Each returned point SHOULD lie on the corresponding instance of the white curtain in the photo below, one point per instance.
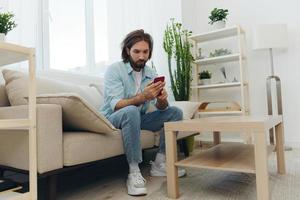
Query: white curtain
(123, 17)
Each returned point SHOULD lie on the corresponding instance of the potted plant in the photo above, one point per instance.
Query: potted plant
(218, 17)
(177, 47)
(6, 24)
(205, 77)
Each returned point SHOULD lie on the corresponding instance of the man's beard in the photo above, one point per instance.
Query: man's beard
(138, 65)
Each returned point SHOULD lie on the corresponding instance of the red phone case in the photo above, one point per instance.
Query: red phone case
(159, 78)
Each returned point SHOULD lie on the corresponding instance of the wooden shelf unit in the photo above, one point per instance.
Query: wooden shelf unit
(9, 54)
(220, 85)
(217, 34)
(241, 85)
(219, 59)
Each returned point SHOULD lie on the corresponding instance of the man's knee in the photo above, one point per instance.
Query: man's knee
(131, 111)
(176, 113)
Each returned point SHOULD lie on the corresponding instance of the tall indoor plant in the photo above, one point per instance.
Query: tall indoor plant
(177, 47)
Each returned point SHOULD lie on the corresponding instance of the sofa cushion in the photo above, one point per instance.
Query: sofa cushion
(77, 113)
(16, 84)
(83, 147)
(189, 108)
(3, 97)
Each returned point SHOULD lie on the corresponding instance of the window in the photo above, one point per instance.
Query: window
(77, 38)
(100, 24)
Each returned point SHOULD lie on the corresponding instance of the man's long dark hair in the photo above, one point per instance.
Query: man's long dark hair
(131, 39)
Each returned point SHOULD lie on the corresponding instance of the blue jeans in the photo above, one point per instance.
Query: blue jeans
(130, 121)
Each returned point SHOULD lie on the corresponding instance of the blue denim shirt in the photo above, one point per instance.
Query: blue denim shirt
(119, 83)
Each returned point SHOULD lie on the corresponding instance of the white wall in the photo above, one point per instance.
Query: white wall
(249, 13)
(25, 17)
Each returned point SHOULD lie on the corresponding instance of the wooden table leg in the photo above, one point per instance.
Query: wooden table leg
(261, 165)
(247, 137)
(172, 173)
(279, 133)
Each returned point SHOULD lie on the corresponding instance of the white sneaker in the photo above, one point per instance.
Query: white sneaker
(160, 170)
(136, 184)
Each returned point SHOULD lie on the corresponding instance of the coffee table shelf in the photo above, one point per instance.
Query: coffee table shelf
(236, 157)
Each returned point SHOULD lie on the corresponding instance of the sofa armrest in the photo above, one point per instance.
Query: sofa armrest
(14, 143)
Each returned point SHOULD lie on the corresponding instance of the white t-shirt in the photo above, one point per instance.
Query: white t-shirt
(138, 80)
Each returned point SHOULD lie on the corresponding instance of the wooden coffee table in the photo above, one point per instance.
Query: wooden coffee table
(239, 157)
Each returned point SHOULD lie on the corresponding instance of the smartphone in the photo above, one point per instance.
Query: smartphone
(157, 79)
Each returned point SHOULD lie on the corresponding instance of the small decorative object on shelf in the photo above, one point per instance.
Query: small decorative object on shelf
(219, 106)
(218, 18)
(220, 52)
(222, 69)
(6, 24)
(199, 56)
(205, 77)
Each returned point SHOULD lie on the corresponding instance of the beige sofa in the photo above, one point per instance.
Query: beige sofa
(57, 146)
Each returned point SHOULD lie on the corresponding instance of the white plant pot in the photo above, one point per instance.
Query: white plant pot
(2, 37)
(219, 24)
(205, 81)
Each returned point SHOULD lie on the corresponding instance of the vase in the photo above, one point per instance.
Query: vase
(190, 143)
(219, 24)
(2, 37)
(205, 81)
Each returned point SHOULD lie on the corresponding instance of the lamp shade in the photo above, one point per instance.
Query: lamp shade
(266, 36)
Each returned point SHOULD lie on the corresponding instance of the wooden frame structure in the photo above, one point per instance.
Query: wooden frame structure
(9, 54)
(239, 157)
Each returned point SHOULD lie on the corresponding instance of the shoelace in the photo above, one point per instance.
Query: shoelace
(138, 179)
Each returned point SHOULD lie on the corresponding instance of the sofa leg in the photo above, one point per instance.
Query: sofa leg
(51, 187)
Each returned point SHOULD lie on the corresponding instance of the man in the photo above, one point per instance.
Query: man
(129, 91)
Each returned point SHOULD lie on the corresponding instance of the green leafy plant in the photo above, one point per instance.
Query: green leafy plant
(218, 14)
(6, 22)
(205, 74)
(177, 47)
(219, 52)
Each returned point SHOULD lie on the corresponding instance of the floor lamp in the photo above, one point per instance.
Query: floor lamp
(271, 36)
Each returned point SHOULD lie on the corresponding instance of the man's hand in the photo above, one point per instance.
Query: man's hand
(163, 96)
(152, 90)
(162, 100)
